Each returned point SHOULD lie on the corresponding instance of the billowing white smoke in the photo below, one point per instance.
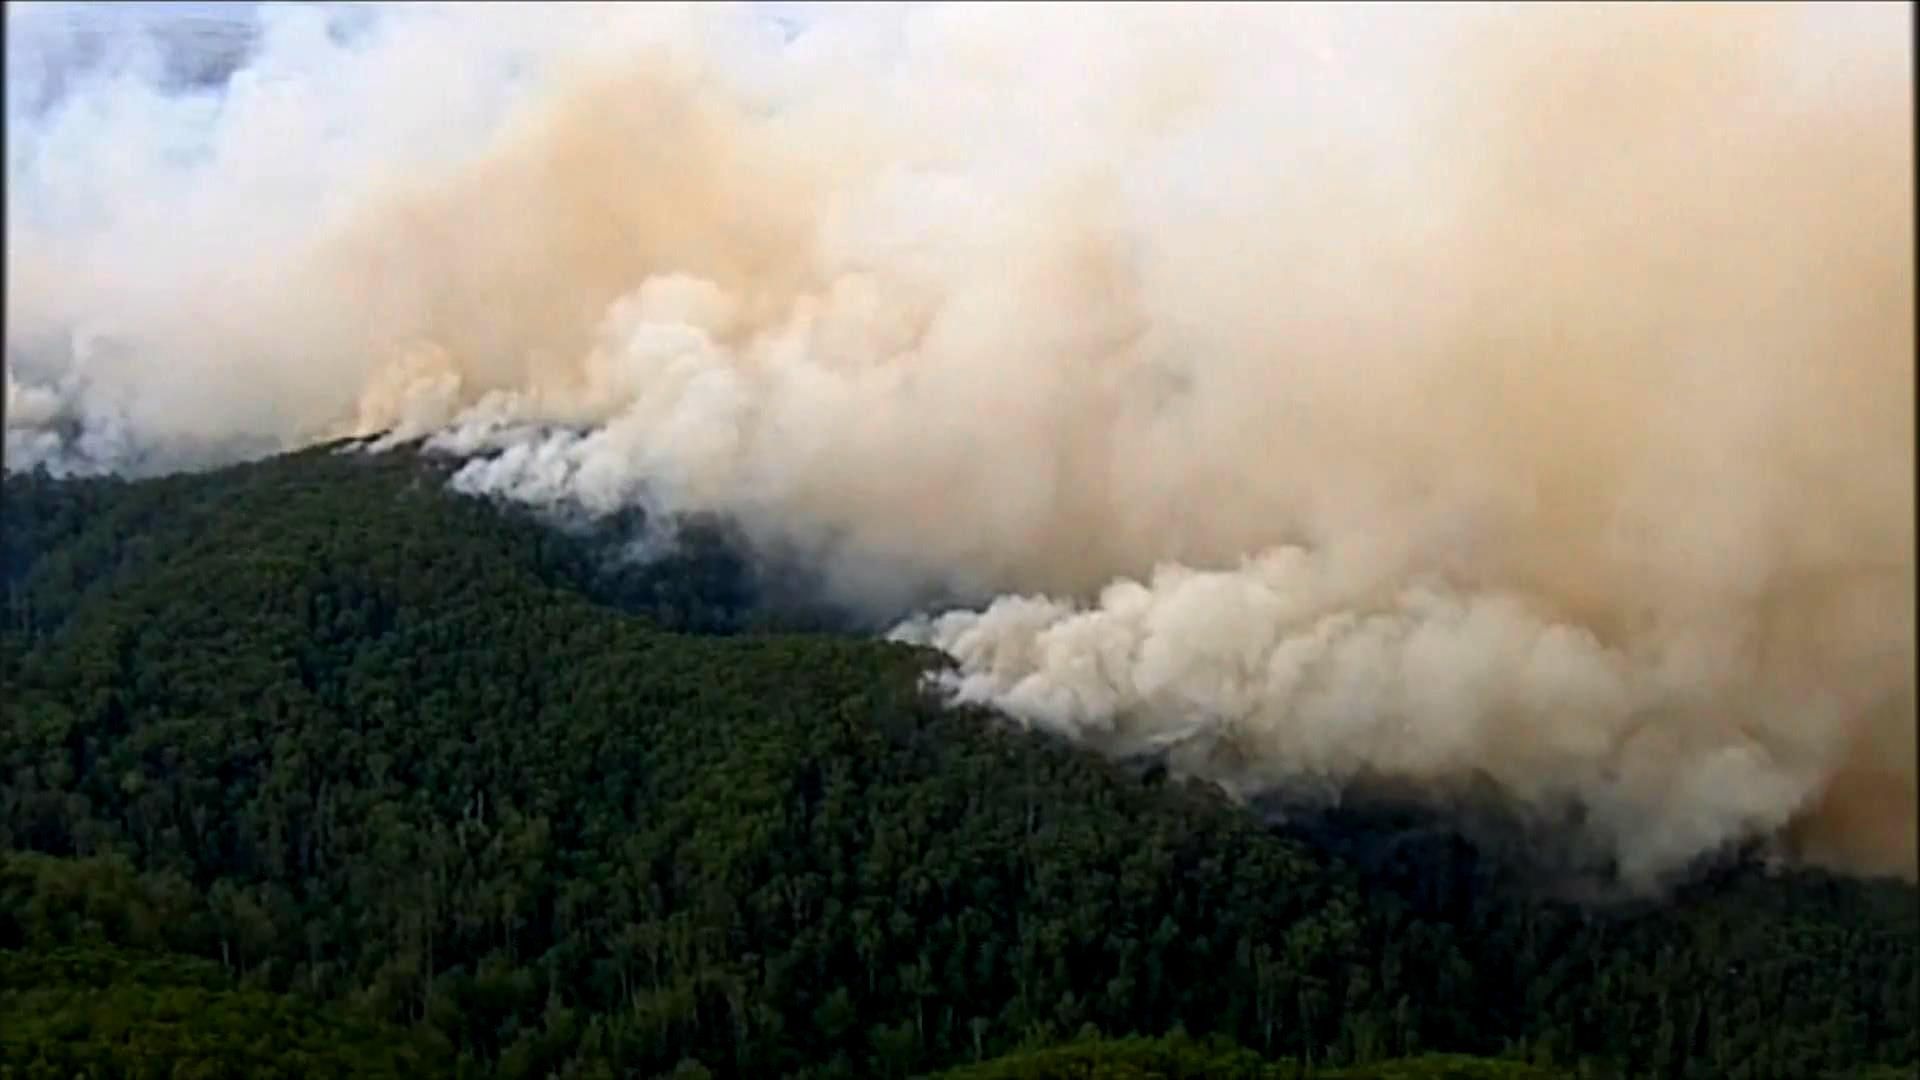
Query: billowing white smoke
(1521, 391)
(1290, 674)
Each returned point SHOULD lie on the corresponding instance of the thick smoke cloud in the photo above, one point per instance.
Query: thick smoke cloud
(1423, 391)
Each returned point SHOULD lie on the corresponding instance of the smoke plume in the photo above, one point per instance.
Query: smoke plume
(1433, 392)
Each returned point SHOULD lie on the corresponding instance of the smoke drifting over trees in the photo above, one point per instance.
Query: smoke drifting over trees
(1431, 392)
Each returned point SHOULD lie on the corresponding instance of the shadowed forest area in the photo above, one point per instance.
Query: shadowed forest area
(313, 768)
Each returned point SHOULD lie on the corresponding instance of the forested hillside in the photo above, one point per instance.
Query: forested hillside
(315, 737)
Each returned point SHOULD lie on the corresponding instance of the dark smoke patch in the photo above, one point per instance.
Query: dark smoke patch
(1428, 845)
(1440, 846)
(688, 572)
(700, 573)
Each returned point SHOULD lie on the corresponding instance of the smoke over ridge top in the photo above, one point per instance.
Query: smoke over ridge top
(1394, 388)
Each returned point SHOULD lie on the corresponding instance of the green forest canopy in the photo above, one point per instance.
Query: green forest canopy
(315, 768)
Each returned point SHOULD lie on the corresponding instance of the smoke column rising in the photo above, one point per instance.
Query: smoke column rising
(1431, 392)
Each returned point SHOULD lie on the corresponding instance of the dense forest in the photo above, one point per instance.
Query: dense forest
(314, 768)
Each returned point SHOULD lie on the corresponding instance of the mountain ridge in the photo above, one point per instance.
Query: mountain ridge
(366, 738)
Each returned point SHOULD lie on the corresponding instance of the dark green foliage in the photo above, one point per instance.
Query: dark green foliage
(1172, 1058)
(1446, 1067)
(104, 1012)
(1181, 1058)
(346, 736)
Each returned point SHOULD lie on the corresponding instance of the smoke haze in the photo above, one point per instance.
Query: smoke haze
(1321, 392)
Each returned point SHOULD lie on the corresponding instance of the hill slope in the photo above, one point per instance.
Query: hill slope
(346, 735)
